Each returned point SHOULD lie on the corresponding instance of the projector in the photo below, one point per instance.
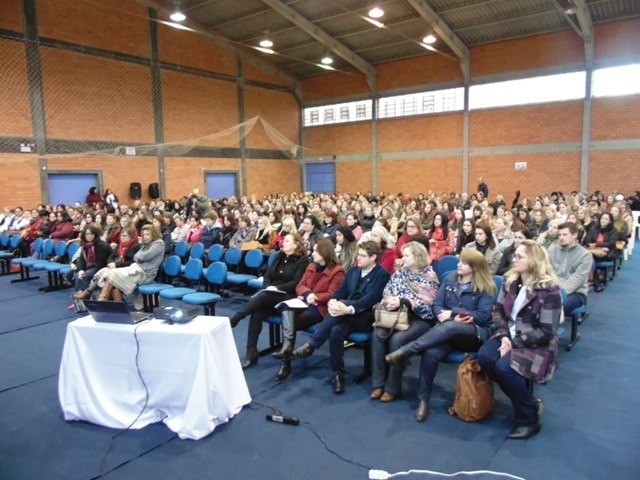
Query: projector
(175, 314)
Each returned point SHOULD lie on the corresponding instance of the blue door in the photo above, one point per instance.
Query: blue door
(220, 184)
(69, 188)
(320, 177)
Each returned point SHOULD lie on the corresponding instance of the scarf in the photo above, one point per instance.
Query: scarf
(89, 254)
(123, 247)
(438, 234)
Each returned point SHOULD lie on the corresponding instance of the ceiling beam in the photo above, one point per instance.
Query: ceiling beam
(325, 39)
(445, 33)
(230, 46)
(586, 27)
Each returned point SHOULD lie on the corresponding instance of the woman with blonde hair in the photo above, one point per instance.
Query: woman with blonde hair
(413, 286)
(463, 311)
(524, 346)
(265, 235)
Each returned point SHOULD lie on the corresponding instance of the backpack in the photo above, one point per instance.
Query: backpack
(474, 392)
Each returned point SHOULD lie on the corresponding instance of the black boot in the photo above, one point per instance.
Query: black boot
(251, 358)
(234, 320)
(289, 333)
(285, 370)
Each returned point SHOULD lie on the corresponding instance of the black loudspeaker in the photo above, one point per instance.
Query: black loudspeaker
(154, 191)
(135, 190)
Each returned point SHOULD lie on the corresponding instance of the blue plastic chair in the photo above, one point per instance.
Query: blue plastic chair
(232, 258)
(181, 249)
(253, 261)
(258, 283)
(216, 277)
(192, 274)
(577, 316)
(444, 265)
(215, 253)
(25, 263)
(196, 251)
(150, 291)
(54, 279)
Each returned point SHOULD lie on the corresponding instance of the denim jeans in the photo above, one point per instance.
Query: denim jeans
(336, 329)
(384, 341)
(441, 333)
(574, 300)
(511, 382)
(82, 284)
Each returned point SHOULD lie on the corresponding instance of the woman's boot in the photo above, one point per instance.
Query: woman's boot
(116, 295)
(105, 294)
(251, 358)
(289, 334)
(285, 369)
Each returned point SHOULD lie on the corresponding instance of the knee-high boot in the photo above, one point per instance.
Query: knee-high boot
(116, 295)
(289, 334)
(105, 294)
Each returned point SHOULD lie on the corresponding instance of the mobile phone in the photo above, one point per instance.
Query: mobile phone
(464, 314)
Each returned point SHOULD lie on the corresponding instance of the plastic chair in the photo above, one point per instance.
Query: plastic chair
(232, 258)
(215, 253)
(26, 263)
(258, 283)
(181, 249)
(216, 277)
(150, 291)
(253, 261)
(577, 316)
(444, 265)
(196, 251)
(9, 252)
(192, 274)
(54, 279)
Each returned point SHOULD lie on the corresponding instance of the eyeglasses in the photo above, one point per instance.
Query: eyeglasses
(517, 256)
(412, 226)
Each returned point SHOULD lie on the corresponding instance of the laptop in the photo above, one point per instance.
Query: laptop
(114, 312)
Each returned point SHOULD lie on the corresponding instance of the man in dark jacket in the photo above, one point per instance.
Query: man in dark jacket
(350, 310)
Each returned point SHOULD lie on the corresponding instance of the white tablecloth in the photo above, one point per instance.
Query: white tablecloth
(192, 373)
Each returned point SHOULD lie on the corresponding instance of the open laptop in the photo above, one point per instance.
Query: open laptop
(114, 312)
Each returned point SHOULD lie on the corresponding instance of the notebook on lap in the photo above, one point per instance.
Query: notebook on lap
(114, 312)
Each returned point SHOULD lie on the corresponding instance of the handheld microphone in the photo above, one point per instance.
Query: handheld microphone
(283, 419)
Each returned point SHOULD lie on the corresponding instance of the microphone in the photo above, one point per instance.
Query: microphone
(283, 419)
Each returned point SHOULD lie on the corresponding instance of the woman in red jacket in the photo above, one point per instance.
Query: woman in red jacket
(62, 228)
(320, 281)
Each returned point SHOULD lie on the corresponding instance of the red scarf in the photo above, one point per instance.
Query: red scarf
(89, 254)
(123, 247)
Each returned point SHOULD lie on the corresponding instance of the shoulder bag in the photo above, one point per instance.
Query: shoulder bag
(393, 320)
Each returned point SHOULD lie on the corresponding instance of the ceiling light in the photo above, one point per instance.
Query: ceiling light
(374, 22)
(376, 12)
(429, 39)
(428, 47)
(265, 50)
(327, 60)
(326, 67)
(266, 43)
(178, 16)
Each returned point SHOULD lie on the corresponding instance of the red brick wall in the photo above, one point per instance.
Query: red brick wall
(615, 118)
(529, 124)
(96, 98)
(615, 171)
(278, 109)
(430, 68)
(117, 25)
(272, 176)
(19, 175)
(617, 39)
(541, 51)
(14, 94)
(192, 50)
(353, 177)
(11, 17)
(420, 133)
(338, 139)
(546, 172)
(333, 85)
(196, 106)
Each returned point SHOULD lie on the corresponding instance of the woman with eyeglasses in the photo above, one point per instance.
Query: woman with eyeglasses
(412, 230)
(524, 346)
(463, 311)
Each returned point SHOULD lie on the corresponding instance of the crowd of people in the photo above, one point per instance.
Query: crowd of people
(343, 254)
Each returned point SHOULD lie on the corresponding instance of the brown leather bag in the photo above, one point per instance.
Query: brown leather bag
(474, 392)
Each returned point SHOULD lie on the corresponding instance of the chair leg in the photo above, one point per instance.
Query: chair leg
(575, 335)
(366, 372)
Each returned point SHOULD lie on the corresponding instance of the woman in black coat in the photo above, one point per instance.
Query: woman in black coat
(280, 282)
(95, 254)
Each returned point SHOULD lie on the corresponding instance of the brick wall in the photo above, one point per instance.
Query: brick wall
(353, 177)
(19, 174)
(273, 176)
(413, 176)
(14, 94)
(420, 133)
(11, 17)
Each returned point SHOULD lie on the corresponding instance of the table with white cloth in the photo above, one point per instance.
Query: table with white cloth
(192, 374)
